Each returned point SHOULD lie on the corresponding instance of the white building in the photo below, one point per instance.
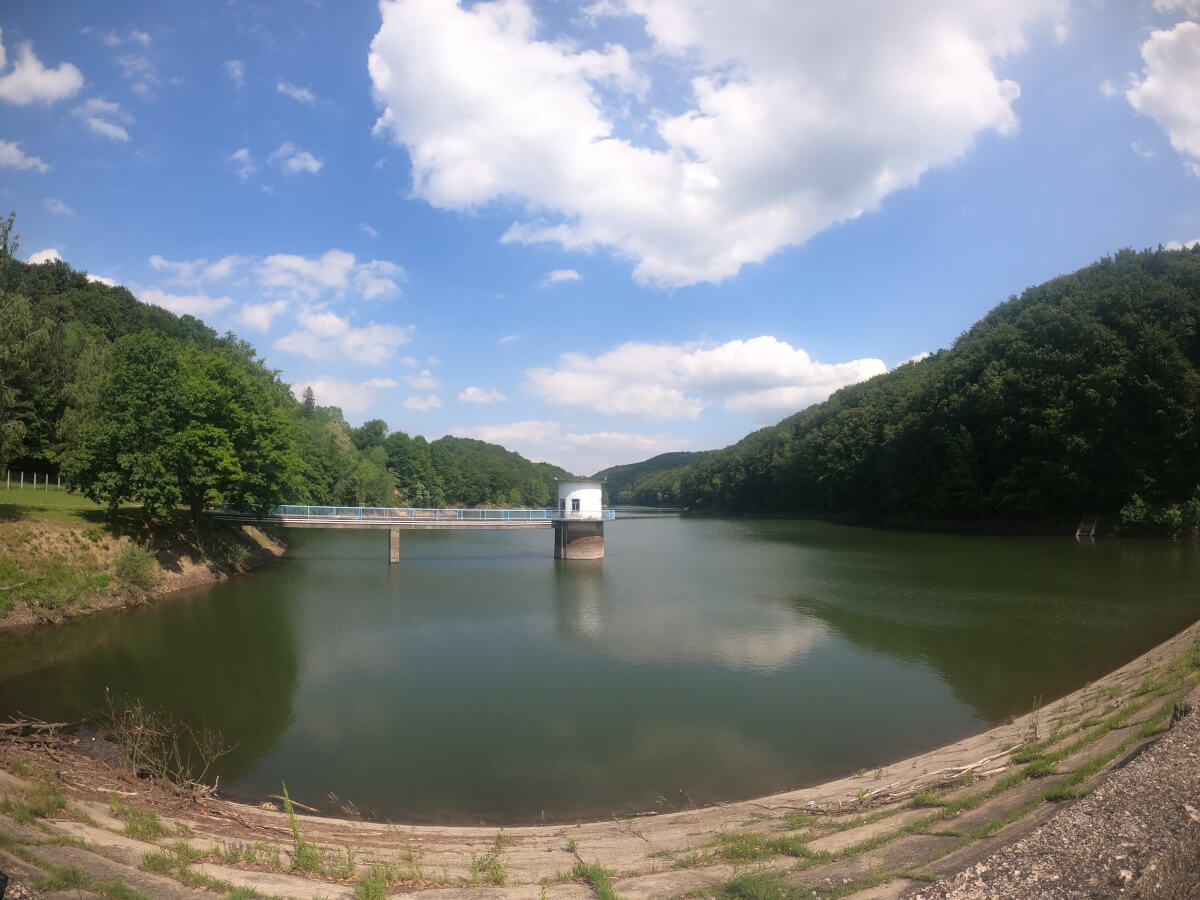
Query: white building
(579, 500)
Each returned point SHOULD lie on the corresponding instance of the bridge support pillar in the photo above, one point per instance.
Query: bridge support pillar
(393, 546)
(579, 539)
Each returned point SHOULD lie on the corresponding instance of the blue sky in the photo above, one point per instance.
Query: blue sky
(597, 231)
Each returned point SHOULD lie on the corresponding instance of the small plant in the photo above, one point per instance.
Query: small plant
(598, 877)
(862, 797)
(1039, 768)
(572, 845)
(62, 878)
(689, 860)
(925, 799)
(305, 856)
(141, 824)
(373, 887)
(19, 767)
(135, 566)
(491, 867)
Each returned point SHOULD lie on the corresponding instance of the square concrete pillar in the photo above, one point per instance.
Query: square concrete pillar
(393, 545)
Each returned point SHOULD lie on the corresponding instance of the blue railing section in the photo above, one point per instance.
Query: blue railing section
(390, 512)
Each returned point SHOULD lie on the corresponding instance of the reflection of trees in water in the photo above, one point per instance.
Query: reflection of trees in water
(229, 663)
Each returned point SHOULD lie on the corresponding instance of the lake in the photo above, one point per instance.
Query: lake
(482, 681)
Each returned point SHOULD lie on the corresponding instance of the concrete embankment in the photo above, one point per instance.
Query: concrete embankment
(883, 833)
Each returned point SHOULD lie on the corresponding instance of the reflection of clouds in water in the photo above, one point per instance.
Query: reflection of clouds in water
(670, 632)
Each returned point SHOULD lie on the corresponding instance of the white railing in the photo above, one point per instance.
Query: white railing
(417, 513)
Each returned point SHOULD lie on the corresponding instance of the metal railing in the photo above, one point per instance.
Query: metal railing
(417, 513)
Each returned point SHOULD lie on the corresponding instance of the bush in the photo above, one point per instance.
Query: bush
(136, 567)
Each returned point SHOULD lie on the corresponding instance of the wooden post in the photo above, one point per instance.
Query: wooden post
(22, 479)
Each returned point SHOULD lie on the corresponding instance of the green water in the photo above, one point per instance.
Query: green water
(483, 681)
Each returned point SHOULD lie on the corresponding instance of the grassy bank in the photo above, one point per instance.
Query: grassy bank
(60, 557)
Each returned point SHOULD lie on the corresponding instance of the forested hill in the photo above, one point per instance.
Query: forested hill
(652, 482)
(1079, 396)
(125, 400)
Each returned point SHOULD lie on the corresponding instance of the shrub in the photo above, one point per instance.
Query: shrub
(135, 566)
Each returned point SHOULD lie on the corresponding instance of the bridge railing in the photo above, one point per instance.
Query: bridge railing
(393, 512)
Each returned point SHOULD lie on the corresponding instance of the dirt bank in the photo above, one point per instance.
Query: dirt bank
(58, 569)
(884, 833)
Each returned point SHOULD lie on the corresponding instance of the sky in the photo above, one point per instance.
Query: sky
(597, 231)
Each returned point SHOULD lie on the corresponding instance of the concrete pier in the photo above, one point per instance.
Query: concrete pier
(579, 539)
(394, 546)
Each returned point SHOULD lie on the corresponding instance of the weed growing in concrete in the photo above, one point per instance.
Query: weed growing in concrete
(490, 867)
(373, 887)
(598, 877)
(116, 891)
(62, 878)
(572, 846)
(305, 856)
(139, 823)
(925, 799)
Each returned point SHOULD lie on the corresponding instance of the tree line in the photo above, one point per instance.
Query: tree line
(132, 403)
(1080, 396)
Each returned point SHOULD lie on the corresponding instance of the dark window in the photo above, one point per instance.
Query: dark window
(575, 505)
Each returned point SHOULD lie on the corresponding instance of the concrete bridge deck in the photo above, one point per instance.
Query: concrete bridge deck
(578, 535)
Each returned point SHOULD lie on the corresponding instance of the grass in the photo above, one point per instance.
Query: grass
(373, 887)
(139, 823)
(116, 890)
(62, 878)
(749, 846)
(925, 799)
(305, 856)
(490, 867)
(136, 567)
(52, 504)
(41, 801)
(256, 854)
(598, 877)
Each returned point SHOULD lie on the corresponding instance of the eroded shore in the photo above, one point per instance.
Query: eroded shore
(882, 833)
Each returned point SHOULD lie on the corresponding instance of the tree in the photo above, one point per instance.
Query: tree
(309, 404)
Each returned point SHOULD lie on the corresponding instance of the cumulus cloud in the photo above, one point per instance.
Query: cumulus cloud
(300, 94)
(235, 70)
(335, 270)
(1182, 245)
(1189, 7)
(105, 118)
(198, 305)
(292, 160)
(31, 82)
(194, 270)
(47, 255)
(579, 451)
(422, 381)
(795, 116)
(479, 395)
(666, 381)
(352, 397)
(560, 276)
(367, 230)
(1169, 91)
(12, 156)
(243, 163)
(324, 334)
(423, 404)
(102, 279)
(259, 316)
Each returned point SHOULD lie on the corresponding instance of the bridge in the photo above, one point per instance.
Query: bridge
(578, 533)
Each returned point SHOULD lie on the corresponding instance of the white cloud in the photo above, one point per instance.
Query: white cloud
(479, 395)
(112, 39)
(665, 381)
(335, 270)
(423, 381)
(924, 354)
(1108, 89)
(31, 82)
(14, 157)
(243, 163)
(292, 160)
(423, 404)
(1189, 7)
(301, 94)
(195, 270)
(141, 72)
(102, 279)
(58, 208)
(324, 335)
(1169, 92)
(797, 116)
(235, 69)
(104, 118)
(352, 397)
(582, 452)
(184, 304)
(47, 255)
(260, 315)
(560, 276)
(530, 433)
(650, 445)
(367, 230)
(1182, 245)
(508, 339)
(1142, 150)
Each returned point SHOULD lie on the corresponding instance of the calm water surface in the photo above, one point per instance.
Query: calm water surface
(483, 681)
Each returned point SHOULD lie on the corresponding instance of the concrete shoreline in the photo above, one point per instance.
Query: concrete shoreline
(882, 832)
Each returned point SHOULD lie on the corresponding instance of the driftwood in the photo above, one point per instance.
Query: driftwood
(295, 803)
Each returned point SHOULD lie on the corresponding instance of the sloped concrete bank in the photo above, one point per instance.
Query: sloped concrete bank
(885, 833)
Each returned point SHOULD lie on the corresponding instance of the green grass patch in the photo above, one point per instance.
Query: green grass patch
(749, 846)
(1039, 768)
(598, 877)
(116, 890)
(690, 860)
(794, 821)
(925, 800)
(490, 867)
(139, 823)
(62, 878)
(136, 567)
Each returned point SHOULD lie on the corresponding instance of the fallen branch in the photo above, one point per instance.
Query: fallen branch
(295, 803)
